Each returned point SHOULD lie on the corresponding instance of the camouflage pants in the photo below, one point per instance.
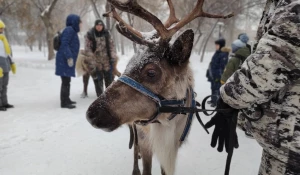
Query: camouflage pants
(271, 166)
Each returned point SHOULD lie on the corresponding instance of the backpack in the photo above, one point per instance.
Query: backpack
(56, 41)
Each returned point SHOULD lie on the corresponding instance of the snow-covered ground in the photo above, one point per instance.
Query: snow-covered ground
(40, 138)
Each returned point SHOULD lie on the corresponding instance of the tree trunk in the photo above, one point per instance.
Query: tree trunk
(131, 22)
(107, 8)
(197, 40)
(95, 10)
(46, 18)
(40, 42)
(117, 40)
(50, 37)
(206, 42)
(30, 47)
(122, 45)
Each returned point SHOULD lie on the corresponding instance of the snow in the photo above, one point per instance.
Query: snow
(40, 138)
(46, 10)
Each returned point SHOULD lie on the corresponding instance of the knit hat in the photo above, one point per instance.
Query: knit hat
(99, 22)
(236, 45)
(2, 25)
(244, 38)
(221, 42)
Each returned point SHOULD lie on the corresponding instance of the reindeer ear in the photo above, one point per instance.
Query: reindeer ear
(182, 48)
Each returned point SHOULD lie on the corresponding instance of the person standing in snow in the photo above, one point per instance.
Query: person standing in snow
(216, 68)
(267, 90)
(240, 54)
(6, 64)
(244, 38)
(98, 42)
(66, 58)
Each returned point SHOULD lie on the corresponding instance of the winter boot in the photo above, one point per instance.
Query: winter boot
(73, 102)
(84, 95)
(65, 95)
(2, 108)
(8, 106)
(68, 106)
(85, 78)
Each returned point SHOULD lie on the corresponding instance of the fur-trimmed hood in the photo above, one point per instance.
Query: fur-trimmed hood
(226, 49)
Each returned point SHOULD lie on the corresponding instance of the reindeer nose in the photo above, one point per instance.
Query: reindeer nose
(100, 118)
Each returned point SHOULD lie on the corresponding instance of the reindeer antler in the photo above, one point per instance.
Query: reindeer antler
(172, 17)
(126, 29)
(196, 13)
(163, 31)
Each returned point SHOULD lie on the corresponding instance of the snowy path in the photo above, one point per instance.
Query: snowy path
(39, 138)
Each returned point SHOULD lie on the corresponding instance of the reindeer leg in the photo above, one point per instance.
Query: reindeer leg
(162, 171)
(85, 78)
(136, 170)
(147, 161)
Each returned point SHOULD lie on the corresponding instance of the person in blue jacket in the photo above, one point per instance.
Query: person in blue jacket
(216, 68)
(66, 58)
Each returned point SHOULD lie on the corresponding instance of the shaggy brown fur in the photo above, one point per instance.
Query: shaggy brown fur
(86, 64)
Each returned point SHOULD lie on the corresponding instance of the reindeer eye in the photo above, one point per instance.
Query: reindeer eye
(151, 73)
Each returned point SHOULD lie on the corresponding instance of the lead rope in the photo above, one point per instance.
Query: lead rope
(232, 130)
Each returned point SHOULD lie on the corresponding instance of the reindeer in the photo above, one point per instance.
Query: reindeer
(157, 75)
(86, 65)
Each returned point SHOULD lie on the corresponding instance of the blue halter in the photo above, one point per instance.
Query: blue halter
(161, 102)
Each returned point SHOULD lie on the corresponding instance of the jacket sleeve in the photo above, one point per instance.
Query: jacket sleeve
(66, 38)
(88, 44)
(112, 47)
(10, 60)
(224, 62)
(6, 44)
(228, 71)
(216, 67)
(274, 66)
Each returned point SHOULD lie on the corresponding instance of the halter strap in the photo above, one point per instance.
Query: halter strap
(137, 86)
(163, 105)
(189, 119)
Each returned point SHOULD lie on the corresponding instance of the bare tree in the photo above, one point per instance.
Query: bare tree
(131, 23)
(5, 5)
(46, 18)
(94, 7)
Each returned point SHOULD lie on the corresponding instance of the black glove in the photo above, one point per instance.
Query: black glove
(224, 122)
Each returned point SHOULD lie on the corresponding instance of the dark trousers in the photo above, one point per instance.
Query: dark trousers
(3, 89)
(108, 79)
(65, 91)
(215, 89)
(85, 79)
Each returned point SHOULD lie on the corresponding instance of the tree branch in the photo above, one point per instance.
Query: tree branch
(52, 5)
(2, 10)
(37, 6)
(95, 10)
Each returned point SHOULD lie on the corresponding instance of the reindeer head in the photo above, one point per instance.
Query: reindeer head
(161, 67)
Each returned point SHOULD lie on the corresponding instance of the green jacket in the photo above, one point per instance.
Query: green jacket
(234, 63)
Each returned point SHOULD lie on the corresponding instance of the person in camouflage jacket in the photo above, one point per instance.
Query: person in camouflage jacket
(270, 78)
(235, 63)
(98, 41)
